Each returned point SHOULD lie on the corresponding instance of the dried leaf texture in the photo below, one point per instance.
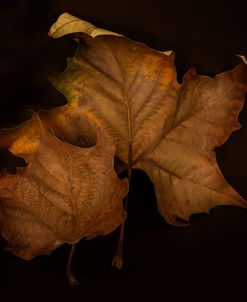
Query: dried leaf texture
(183, 166)
(166, 129)
(123, 95)
(64, 194)
(127, 89)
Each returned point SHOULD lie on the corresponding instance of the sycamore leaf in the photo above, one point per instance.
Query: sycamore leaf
(169, 130)
(65, 193)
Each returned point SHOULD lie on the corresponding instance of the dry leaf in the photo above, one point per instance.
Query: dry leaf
(130, 92)
(64, 194)
(166, 129)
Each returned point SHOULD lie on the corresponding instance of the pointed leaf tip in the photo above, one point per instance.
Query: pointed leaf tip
(243, 58)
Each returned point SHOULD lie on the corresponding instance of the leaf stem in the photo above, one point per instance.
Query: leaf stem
(70, 275)
(117, 261)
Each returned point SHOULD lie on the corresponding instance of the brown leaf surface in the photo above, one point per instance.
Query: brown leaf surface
(64, 194)
(130, 92)
(166, 129)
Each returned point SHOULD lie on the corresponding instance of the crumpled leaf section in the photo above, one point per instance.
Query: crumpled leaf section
(65, 193)
(66, 23)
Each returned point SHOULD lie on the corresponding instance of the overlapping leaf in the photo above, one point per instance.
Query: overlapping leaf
(130, 92)
(64, 194)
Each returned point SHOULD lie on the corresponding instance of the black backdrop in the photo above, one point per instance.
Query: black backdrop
(206, 261)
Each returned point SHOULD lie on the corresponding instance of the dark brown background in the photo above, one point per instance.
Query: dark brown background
(204, 262)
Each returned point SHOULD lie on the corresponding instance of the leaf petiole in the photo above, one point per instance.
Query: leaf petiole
(70, 275)
(117, 261)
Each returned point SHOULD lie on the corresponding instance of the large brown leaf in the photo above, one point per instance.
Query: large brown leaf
(65, 193)
(166, 129)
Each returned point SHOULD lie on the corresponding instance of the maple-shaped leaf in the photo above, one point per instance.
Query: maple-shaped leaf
(65, 193)
(169, 130)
